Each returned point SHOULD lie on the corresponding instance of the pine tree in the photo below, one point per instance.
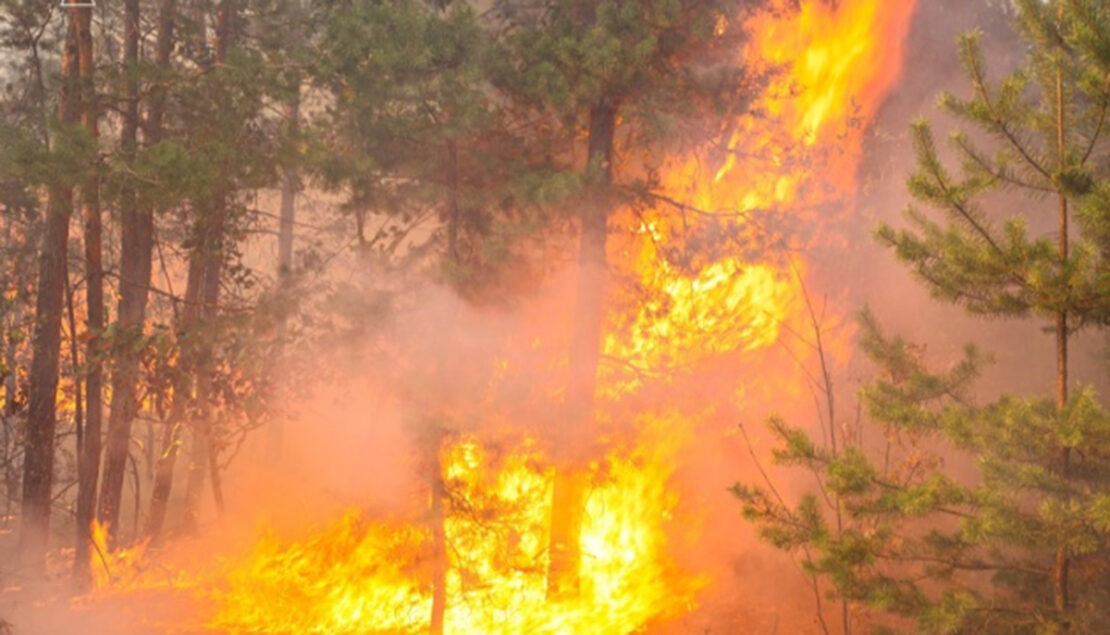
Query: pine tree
(610, 70)
(1021, 547)
(137, 247)
(38, 462)
(132, 291)
(24, 134)
(88, 437)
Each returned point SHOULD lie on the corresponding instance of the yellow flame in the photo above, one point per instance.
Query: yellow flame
(118, 569)
(359, 576)
(798, 149)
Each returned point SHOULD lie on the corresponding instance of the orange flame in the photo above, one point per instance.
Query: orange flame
(801, 145)
(113, 569)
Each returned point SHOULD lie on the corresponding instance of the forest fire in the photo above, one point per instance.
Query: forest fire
(479, 558)
(461, 316)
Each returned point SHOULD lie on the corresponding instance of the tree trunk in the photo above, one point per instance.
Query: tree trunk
(453, 201)
(75, 357)
(1062, 564)
(88, 463)
(182, 395)
(200, 455)
(167, 457)
(567, 495)
(38, 461)
(135, 249)
(439, 545)
(203, 450)
(11, 443)
(289, 188)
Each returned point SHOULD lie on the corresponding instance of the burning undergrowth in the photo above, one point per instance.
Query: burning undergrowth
(494, 514)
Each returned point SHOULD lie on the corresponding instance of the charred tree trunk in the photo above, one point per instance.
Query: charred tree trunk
(134, 280)
(38, 460)
(567, 496)
(88, 463)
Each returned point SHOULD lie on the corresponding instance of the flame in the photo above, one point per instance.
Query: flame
(113, 569)
(357, 573)
(716, 278)
(801, 145)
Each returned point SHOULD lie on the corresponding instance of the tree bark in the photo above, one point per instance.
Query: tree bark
(200, 455)
(203, 450)
(289, 186)
(13, 319)
(167, 457)
(439, 543)
(134, 281)
(453, 218)
(182, 395)
(38, 461)
(1062, 564)
(567, 494)
(88, 463)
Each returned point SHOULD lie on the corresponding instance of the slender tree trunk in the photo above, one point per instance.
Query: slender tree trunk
(12, 438)
(134, 281)
(38, 460)
(439, 544)
(75, 357)
(182, 396)
(567, 496)
(453, 201)
(182, 387)
(1062, 564)
(88, 463)
(289, 186)
(200, 456)
(13, 319)
(203, 451)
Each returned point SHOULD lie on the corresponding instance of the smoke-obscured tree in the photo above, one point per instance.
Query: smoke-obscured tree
(416, 134)
(228, 147)
(24, 132)
(1022, 546)
(614, 75)
(434, 171)
(64, 161)
(186, 140)
(89, 434)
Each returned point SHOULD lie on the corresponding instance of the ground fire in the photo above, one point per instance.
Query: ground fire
(540, 269)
